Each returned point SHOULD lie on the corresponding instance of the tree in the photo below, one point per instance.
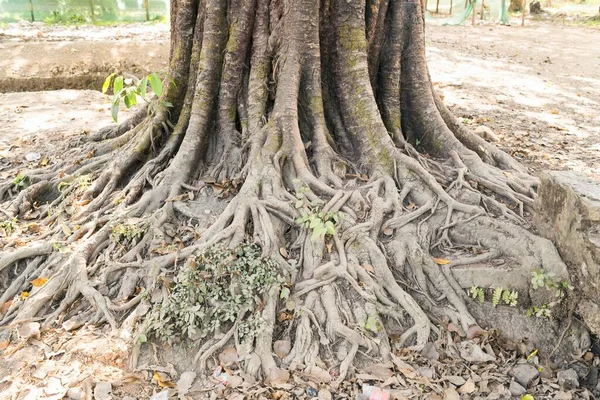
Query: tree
(321, 119)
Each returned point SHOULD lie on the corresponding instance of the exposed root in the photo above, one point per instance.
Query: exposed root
(353, 219)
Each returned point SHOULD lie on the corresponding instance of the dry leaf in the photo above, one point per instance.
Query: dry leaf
(441, 261)
(5, 306)
(368, 268)
(33, 228)
(451, 394)
(162, 380)
(278, 375)
(324, 394)
(4, 344)
(475, 331)
(39, 282)
(29, 329)
(554, 111)
(317, 374)
(24, 295)
(467, 388)
(283, 252)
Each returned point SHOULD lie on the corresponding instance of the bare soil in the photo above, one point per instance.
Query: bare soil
(537, 88)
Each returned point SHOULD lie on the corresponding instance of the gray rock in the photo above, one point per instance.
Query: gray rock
(516, 389)
(568, 213)
(568, 379)
(103, 391)
(524, 374)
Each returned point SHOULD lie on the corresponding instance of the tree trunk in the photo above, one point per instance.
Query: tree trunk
(316, 124)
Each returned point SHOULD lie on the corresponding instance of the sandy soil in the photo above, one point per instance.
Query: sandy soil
(537, 88)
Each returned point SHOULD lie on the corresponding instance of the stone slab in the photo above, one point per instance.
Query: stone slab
(567, 211)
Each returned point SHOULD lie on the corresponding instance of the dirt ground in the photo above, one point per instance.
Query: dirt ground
(537, 88)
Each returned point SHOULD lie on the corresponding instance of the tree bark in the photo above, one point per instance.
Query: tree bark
(318, 124)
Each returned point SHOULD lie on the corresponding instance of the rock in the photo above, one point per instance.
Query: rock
(516, 389)
(103, 391)
(75, 393)
(567, 211)
(524, 374)
(568, 379)
(486, 133)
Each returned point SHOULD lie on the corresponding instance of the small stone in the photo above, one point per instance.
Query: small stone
(568, 379)
(311, 392)
(75, 393)
(516, 389)
(524, 374)
(103, 391)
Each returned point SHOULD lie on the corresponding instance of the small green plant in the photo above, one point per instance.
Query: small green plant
(83, 183)
(312, 217)
(510, 297)
(542, 311)
(477, 293)
(129, 231)
(126, 89)
(21, 181)
(9, 226)
(212, 291)
(541, 278)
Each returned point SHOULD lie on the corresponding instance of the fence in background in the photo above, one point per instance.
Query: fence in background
(78, 11)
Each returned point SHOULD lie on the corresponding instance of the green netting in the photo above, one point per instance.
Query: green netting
(81, 10)
(456, 12)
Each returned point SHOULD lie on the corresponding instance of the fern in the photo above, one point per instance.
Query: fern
(477, 293)
(497, 296)
(510, 298)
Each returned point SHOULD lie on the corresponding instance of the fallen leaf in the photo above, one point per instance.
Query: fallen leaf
(24, 295)
(554, 111)
(451, 394)
(368, 268)
(5, 306)
(317, 374)
(39, 282)
(162, 380)
(441, 261)
(29, 329)
(467, 388)
(324, 394)
(475, 331)
(283, 252)
(278, 375)
(4, 344)
(471, 352)
(430, 352)
(185, 382)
